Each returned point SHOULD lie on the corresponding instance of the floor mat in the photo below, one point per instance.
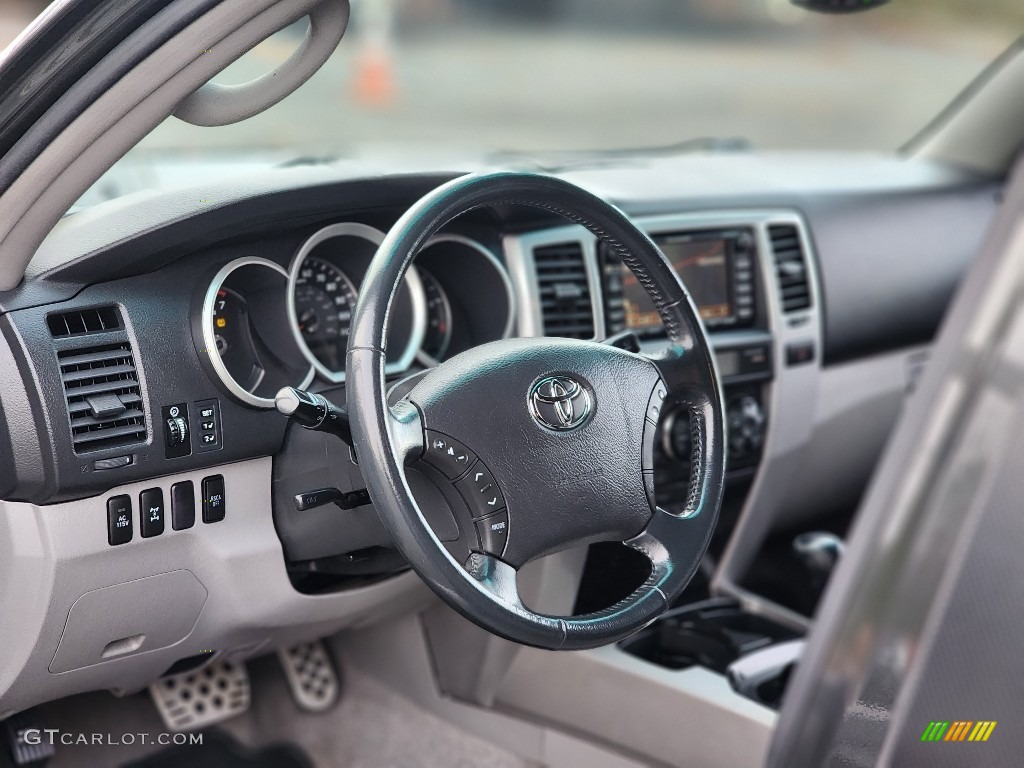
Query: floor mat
(219, 750)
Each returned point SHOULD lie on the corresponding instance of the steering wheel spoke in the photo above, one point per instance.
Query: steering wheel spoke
(683, 368)
(406, 431)
(496, 577)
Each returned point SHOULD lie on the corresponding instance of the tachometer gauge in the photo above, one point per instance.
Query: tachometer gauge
(246, 335)
(439, 318)
(324, 301)
(233, 334)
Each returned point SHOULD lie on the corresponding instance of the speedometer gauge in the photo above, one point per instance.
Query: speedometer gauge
(324, 301)
(439, 318)
(324, 279)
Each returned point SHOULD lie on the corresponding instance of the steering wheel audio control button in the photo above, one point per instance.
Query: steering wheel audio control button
(448, 456)
(656, 401)
(481, 492)
(493, 533)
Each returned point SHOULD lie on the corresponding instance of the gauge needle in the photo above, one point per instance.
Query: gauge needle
(308, 321)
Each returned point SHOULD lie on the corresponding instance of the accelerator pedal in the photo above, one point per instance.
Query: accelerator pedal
(313, 680)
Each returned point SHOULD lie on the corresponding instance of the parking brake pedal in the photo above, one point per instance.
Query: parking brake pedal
(21, 731)
(311, 676)
(194, 700)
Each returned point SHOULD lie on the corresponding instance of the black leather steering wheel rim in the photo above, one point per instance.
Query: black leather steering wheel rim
(389, 437)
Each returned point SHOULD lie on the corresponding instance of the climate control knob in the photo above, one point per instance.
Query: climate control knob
(745, 420)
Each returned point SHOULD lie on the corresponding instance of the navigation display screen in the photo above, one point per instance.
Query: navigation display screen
(703, 265)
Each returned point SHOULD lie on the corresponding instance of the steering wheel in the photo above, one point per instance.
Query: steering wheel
(549, 440)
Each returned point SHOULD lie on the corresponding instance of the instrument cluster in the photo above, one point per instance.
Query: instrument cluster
(265, 326)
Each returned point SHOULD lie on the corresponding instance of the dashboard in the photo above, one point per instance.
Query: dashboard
(142, 461)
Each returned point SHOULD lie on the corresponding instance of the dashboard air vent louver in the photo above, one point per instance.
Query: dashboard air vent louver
(790, 267)
(101, 386)
(564, 290)
(82, 321)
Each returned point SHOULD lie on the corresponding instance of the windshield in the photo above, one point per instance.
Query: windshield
(433, 79)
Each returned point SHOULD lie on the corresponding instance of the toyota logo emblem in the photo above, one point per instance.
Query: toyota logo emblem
(559, 403)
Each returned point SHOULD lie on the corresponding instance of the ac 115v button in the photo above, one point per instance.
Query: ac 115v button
(119, 520)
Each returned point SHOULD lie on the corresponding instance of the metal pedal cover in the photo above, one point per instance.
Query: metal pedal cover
(194, 700)
(311, 676)
(25, 751)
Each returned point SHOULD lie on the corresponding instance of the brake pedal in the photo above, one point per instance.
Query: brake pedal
(195, 700)
(311, 676)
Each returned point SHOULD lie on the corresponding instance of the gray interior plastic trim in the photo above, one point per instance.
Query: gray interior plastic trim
(214, 104)
(983, 129)
(117, 120)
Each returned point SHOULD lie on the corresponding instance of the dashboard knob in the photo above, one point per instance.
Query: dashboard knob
(745, 420)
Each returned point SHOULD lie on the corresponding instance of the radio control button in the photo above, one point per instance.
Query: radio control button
(481, 492)
(493, 533)
(448, 456)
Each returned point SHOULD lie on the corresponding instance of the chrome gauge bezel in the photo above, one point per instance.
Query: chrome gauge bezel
(419, 302)
(422, 357)
(210, 340)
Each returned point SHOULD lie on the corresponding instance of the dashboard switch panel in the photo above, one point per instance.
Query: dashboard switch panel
(183, 505)
(213, 499)
(177, 440)
(119, 520)
(208, 434)
(151, 512)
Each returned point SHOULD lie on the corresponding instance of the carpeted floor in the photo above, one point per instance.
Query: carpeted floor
(370, 727)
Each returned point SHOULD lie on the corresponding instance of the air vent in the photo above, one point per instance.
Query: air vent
(790, 267)
(79, 322)
(104, 400)
(564, 291)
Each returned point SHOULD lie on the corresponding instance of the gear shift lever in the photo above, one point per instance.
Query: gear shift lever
(818, 552)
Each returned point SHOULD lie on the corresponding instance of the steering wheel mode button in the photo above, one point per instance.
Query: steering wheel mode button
(481, 492)
(493, 533)
(448, 456)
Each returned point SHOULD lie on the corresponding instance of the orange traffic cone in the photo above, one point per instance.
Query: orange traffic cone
(374, 84)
